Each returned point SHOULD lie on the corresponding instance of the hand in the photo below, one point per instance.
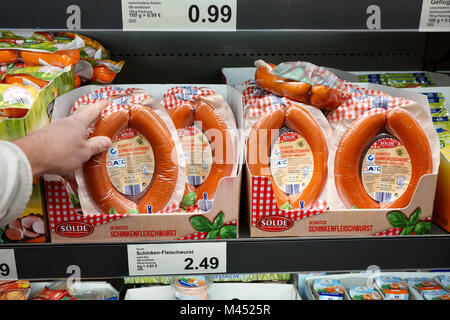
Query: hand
(63, 146)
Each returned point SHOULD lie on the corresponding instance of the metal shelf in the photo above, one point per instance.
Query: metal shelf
(247, 255)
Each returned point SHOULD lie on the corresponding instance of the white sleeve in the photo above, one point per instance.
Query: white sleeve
(16, 182)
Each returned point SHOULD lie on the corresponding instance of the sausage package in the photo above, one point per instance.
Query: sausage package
(144, 169)
(374, 173)
(207, 130)
(91, 210)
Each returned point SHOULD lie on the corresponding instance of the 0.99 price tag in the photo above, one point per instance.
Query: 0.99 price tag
(8, 270)
(177, 258)
(173, 15)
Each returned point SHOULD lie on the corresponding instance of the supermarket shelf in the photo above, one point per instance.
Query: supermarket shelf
(272, 15)
(247, 255)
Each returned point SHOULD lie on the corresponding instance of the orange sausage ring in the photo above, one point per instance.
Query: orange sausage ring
(401, 124)
(320, 96)
(163, 184)
(184, 116)
(258, 150)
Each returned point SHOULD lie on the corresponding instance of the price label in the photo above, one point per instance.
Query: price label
(172, 15)
(435, 15)
(177, 258)
(8, 270)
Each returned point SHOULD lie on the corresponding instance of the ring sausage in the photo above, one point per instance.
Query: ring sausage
(148, 123)
(324, 97)
(145, 121)
(102, 74)
(98, 184)
(303, 123)
(61, 58)
(294, 90)
(258, 150)
(222, 151)
(401, 125)
(183, 116)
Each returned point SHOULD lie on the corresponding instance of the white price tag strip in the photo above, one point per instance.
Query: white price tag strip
(435, 15)
(177, 258)
(172, 15)
(8, 270)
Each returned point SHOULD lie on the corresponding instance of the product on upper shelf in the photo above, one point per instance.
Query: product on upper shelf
(191, 287)
(14, 290)
(206, 127)
(142, 172)
(302, 82)
(398, 80)
(37, 76)
(328, 289)
(98, 66)
(392, 163)
(393, 288)
(364, 293)
(287, 144)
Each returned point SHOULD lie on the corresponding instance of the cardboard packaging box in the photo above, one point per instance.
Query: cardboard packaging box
(36, 117)
(68, 224)
(267, 220)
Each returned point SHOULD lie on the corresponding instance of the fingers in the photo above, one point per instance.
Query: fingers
(98, 144)
(89, 114)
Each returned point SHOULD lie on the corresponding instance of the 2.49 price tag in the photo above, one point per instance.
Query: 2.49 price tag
(8, 270)
(177, 258)
(171, 15)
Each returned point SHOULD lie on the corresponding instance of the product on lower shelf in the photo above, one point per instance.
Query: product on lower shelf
(436, 295)
(393, 288)
(328, 289)
(399, 80)
(14, 290)
(191, 287)
(206, 126)
(364, 293)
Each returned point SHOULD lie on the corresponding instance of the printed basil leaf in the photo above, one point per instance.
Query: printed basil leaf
(423, 227)
(286, 206)
(218, 221)
(354, 206)
(112, 211)
(188, 200)
(407, 231)
(212, 234)
(397, 219)
(414, 218)
(201, 224)
(132, 211)
(228, 232)
(74, 199)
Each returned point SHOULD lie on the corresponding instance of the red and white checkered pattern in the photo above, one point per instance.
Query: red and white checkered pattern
(264, 203)
(394, 231)
(179, 95)
(60, 209)
(361, 101)
(202, 235)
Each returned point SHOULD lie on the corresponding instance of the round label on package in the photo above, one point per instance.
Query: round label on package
(130, 162)
(197, 153)
(291, 162)
(386, 169)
